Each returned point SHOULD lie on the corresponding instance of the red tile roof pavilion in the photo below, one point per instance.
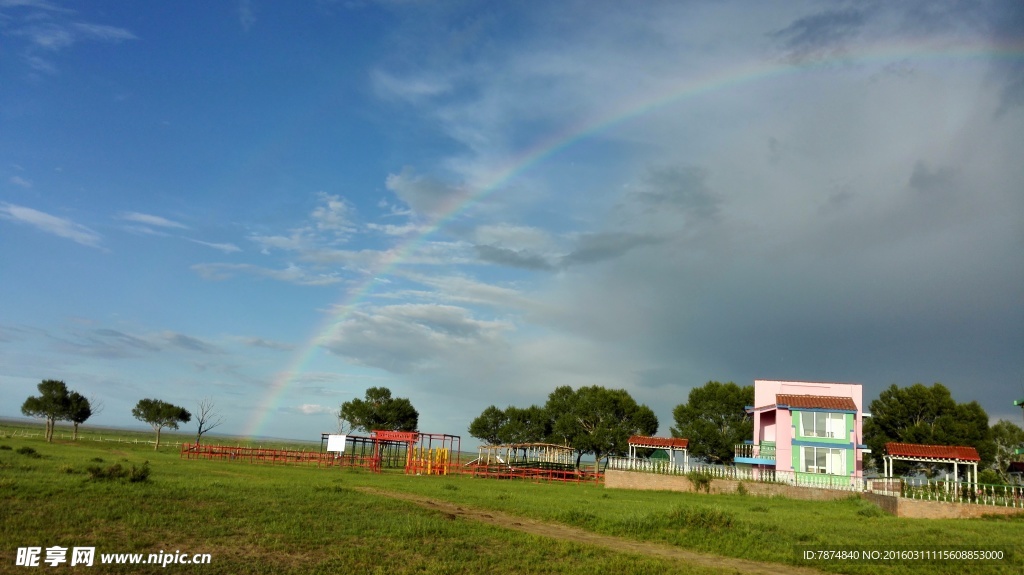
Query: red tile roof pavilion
(658, 442)
(932, 452)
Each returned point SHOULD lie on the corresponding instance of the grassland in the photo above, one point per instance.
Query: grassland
(274, 519)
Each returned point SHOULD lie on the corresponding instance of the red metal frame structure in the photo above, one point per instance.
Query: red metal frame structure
(415, 453)
(254, 454)
(434, 455)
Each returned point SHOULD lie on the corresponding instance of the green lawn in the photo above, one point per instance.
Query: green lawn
(276, 519)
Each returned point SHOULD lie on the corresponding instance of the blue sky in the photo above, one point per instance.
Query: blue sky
(277, 205)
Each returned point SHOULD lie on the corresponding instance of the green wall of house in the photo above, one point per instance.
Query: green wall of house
(838, 442)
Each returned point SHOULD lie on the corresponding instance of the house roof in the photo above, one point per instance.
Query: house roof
(659, 442)
(815, 402)
(959, 453)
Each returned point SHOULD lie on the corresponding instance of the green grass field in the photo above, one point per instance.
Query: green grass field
(277, 519)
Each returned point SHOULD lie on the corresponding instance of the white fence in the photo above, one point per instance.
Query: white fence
(951, 491)
(92, 437)
(909, 488)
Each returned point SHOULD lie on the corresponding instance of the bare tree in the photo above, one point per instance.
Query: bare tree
(208, 417)
(344, 425)
(96, 404)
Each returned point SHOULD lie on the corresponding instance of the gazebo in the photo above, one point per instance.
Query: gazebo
(954, 454)
(669, 444)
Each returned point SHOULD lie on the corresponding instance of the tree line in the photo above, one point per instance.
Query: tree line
(599, 421)
(56, 402)
(714, 418)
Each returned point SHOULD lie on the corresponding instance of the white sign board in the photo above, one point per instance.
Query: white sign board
(336, 443)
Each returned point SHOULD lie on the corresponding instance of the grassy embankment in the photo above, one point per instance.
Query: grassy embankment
(275, 519)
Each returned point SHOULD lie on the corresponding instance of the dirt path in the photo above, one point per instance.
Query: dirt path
(618, 544)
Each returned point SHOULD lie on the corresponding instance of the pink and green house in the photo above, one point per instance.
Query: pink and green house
(803, 430)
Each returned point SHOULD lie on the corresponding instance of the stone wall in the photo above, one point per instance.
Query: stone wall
(939, 510)
(900, 507)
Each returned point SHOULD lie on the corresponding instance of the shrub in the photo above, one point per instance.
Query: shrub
(870, 510)
(701, 517)
(65, 468)
(28, 452)
(741, 489)
(701, 480)
(5, 447)
(118, 471)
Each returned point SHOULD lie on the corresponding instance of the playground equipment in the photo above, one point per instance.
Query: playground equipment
(415, 453)
(537, 461)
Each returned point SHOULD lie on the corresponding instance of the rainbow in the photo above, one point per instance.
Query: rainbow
(574, 133)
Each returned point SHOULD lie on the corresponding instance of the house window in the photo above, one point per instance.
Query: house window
(822, 424)
(823, 460)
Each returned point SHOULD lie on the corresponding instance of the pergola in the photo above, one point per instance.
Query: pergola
(669, 444)
(954, 454)
(527, 453)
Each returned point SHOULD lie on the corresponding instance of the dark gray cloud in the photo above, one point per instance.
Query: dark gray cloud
(514, 258)
(267, 344)
(932, 181)
(190, 343)
(1008, 32)
(678, 188)
(126, 339)
(820, 35)
(602, 246)
(412, 337)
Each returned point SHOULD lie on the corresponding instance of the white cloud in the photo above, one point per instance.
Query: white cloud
(20, 181)
(311, 409)
(47, 29)
(246, 16)
(151, 220)
(51, 224)
(290, 274)
(224, 247)
(334, 215)
(427, 196)
(411, 88)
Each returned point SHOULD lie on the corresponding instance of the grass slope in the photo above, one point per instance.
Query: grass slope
(272, 519)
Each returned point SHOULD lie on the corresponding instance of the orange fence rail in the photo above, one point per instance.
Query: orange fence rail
(532, 473)
(255, 455)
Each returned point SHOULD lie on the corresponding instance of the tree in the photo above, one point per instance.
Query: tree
(207, 417)
(597, 420)
(380, 411)
(487, 426)
(513, 425)
(1008, 438)
(926, 415)
(52, 403)
(160, 414)
(529, 425)
(79, 410)
(714, 419)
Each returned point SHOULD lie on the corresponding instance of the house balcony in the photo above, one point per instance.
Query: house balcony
(756, 454)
